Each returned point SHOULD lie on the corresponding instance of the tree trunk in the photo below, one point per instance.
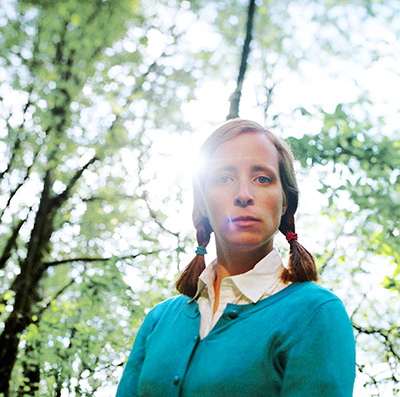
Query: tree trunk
(235, 97)
(31, 371)
(26, 286)
(33, 268)
(9, 341)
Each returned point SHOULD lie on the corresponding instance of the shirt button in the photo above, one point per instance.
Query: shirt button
(195, 339)
(176, 380)
(233, 314)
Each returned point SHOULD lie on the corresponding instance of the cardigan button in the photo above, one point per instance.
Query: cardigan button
(176, 380)
(234, 314)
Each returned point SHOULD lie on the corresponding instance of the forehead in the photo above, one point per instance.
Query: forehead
(247, 148)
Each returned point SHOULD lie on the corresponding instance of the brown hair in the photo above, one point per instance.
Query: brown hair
(301, 266)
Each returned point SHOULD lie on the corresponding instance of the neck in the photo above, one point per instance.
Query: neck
(233, 262)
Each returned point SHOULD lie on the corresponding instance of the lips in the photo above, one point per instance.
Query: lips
(245, 221)
(245, 218)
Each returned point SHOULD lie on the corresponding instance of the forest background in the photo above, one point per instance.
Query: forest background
(104, 105)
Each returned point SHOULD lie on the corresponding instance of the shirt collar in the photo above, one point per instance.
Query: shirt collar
(255, 283)
(206, 278)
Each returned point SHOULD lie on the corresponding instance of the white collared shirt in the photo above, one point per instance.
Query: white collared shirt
(250, 287)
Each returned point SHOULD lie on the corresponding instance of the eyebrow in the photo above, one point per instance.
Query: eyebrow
(258, 168)
(226, 168)
(255, 168)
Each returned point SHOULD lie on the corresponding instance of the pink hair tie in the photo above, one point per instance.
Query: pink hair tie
(291, 236)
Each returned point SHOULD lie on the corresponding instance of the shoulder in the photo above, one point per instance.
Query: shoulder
(306, 303)
(175, 301)
(166, 306)
(312, 310)
(300, 299)
(315, 304)
(163, 313)
(311, 294)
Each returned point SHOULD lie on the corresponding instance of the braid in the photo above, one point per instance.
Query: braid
(187, 282)
(301, 266)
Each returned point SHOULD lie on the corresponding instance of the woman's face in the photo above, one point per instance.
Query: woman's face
(243, 196)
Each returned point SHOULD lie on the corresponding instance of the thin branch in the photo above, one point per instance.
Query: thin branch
(363, 298)
(14, 150)
(134, 91)
(53, 298)
(269, 99)
(373, 381)
(141, 79)
(59, 200)
(385, 334)
(235, 97)
(153, 215)
(18, 141)
(11, 243)
(16, 189)
(97, 259)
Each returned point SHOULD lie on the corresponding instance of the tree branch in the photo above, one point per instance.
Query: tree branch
(17, 143)
(153, 215)
(134, 91)
(385, 334)
(235, 97)
(59, 200)
(97, 259)
(14, 150)
(14, 192)
(53, 298)
(11, 243)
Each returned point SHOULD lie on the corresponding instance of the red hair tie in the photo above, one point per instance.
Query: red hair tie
(291, 236)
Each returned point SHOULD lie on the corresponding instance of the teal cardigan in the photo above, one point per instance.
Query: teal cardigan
(298, 342)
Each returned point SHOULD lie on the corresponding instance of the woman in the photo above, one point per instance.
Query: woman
(245, 325)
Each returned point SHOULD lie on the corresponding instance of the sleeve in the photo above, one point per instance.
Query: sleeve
(321, 360)
(128, 385)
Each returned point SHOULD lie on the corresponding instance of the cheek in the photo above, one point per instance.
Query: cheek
(218, 210)
(213, 208)
(276, 205)
(214, 202)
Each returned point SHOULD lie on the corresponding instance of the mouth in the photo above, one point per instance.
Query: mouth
(245, 218)
(245, 221)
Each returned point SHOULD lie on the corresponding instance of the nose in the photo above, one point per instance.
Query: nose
(244, 196)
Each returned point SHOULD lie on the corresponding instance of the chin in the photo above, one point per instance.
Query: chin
(250, 245)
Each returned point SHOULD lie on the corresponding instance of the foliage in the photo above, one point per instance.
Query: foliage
(360, 176)
(88, 212)
(367, 166)
(90, 82)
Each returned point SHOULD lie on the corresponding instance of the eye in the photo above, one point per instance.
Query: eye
(222, 180)
(264, 179)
